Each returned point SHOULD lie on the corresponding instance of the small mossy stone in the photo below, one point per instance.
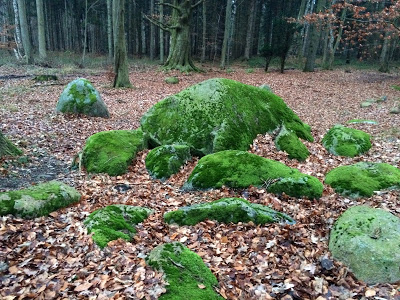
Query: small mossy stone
(80, 97)
(240, 169)
(366, 104)
(112, 151)
(219, 114)
(163, 161)
(344, 141)
(187, 275)
(395, 110)
(45, 77)
(367, 240)
(362, 121)
(226, 210)
(115, 221)
(38, 200)
(288, 141)
(172, 80)
(266, 87)
(363, 178)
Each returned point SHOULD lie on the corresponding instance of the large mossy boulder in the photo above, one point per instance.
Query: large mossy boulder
(163, 161)
(187, 275)
(240, 169)
(344, 141)
(367, 240)
(80, 97)
(115, 221)
(219, 114)
(112, 151)
(226, 210)
(38, 200)
(363, 178)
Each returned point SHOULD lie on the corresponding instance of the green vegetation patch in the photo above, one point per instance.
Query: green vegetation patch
(362, 121)
(164, 161)
(344, 141)
(363, 178)
(38, 200)
(219, 114)
(187, 275)
(288, 141)
(226, 210)
(367, 240)
(115, 221)
(80, 97)
(112, 151)
(45, 77)
(7, 148)
(240, 169)
(172, 80)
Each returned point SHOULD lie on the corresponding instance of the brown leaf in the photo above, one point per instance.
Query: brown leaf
(83, 287)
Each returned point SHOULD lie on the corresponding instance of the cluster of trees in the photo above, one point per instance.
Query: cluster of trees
(174, 31)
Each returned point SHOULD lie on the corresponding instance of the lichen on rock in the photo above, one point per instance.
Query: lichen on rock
(367, 240)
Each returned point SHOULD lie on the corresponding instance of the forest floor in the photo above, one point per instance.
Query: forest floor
(54, 257)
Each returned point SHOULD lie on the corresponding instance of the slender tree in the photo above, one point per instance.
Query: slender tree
(250, 30)
(161, 20)
(26, 42)
(109, 31)
(227, 34)
(41, 32)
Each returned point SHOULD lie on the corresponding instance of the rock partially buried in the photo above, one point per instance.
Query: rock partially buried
(240, 169)
(344, 141)
(80, 97)
(112, 151)
(363, 178)
(368, 241)
(115, 221)
(187, 275)
(171, 80)
(226, 210)
(219, 114)
(288, 141)
(38, 200)
(164, 161)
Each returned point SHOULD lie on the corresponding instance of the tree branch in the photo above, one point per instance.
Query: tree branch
(197, 4)
(171, 5)
(157, 23)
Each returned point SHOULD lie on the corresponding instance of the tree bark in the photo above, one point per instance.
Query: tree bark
(161, 20)
(109, 31)
(26, 43)
(85, 33)
(7, 148)
(204, 32)
(384, 57)
(41, 32)
(152, 33)
(250, 29)
(227, 31)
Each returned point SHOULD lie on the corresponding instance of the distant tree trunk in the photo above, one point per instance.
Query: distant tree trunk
(26, 43)
(152, 33)
(110, 31)
(121, 70)
(227, 31)
(41, 32)
(161, 20)
(85, 33)
(204, 32)
(250, 29)
(7, 148)
(19, 48)
(261, 33)
(384, 57)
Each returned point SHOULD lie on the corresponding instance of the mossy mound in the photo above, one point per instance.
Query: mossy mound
(163, 161)
(240, 169)
(288, 141)
(363, 178)
(171, 80)
(7, 148)
(368, 241)
(42, 78)
(38, 200)
(112, 151)
(219, 114)
(115, 221)
(187, 275)
(226, 210)
(344, 141)
(80, 97)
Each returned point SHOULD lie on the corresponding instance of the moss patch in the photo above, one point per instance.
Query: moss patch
(226, 210)
(187, 275)
(288, 141)
(239, 169)
(362, 121)
(45, 77)
(219, 114)
(171, 80)
(38, 200)
(340, 140)
(8, 148)
(112, 151)
(368, 241)
(164, 161)
(363, 178)
(115, 221)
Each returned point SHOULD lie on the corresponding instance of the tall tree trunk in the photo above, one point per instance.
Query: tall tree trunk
(109, 31)
(85, 34)
(41, 32)
(261, 33)
(161, 20)
(384, 57)
(121, 70)
(7, 148)
(204, 32)
(227, 31)
(152, 33)
(249, 36)
(19, 49)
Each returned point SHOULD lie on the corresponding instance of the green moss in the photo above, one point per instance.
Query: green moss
(396, 87)
(115, 221)
(363, 178)
(239, 169)
(226, 210)
(171, 80)
(219, 114)
(38, 200)
(45, 77)
(185, 273)
(340, 140)
(112, 151)
(368, 241)
(7, 148)
(288, 141)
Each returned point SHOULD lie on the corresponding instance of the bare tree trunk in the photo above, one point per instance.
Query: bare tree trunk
(85, 34)
(152, 33)
(204, 32)
(18, 51)
(384, 57)
(109, 31)
(228, 25)
(249, 36)
(161, 19)
(41, 32)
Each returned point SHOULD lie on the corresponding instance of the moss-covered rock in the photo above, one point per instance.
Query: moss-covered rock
(163, 161)
(80, 97)
(368, 241)
(219, 114)
(362, 121)
(363, 178)
(226, 210)
(45, 77)
(240, 169)
(288, 141)
(171, 80)
(187, 275)
(115, 221)
(344, 141)
(112, 151)
(38, 200)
